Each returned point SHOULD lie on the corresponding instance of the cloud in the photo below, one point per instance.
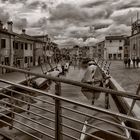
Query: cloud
(124, 16)
(36, 4)
(4, 16)
(20, 23)
(66, 11)
(121, 4)
(113, 29)
(14, 1)
(94, 3)
(71, 22)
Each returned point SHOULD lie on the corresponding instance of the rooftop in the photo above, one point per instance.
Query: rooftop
(115, 37)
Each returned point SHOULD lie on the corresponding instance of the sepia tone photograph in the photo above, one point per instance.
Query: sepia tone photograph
(69, 69)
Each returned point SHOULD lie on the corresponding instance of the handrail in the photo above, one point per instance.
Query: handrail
(58, 114)
(76, 83)
(30, 89)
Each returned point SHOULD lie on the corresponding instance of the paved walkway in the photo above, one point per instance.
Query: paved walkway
(127, 78)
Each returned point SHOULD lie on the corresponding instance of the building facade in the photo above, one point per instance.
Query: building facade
(22, 50)
(100, 49)
(6, 46)
(114, 47)
(135, 40)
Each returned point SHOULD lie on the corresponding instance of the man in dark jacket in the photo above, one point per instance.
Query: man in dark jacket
(129, 62)
(137, 61)
(134, 61)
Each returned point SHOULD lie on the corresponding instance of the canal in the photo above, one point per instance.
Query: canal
(68, 91)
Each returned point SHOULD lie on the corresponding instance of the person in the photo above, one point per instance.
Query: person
(129, 62)
(92, 76)
(62, 66)
(137, 61)
(125, 62)
(134, 60)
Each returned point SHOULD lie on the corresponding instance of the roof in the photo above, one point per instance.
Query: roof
(40, 36)
(6, 32)
(23, 36)
(135, 34)
(115, 37)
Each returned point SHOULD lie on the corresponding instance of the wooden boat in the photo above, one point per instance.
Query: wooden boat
(41, 83)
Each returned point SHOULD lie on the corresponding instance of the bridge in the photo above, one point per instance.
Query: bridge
(61, 112)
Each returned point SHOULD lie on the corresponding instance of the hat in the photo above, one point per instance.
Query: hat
(91, 63)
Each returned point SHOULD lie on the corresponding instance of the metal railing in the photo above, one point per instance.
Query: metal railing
(60, 121)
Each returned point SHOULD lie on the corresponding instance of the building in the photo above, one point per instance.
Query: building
(23, 46)
(100, 49)
(6, 45)
(135, 40)
(127, 48)
(114, 47)
(22, 50)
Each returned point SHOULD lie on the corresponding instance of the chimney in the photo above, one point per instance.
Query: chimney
(10, 26)
(1, 25)
(23, 31)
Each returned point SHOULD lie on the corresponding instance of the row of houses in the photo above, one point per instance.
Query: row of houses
(22, 50)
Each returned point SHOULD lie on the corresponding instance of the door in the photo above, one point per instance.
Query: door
(114, 56)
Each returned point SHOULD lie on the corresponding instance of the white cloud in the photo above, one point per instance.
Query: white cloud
(71, 21)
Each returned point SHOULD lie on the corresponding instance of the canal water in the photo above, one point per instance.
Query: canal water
(68, 91)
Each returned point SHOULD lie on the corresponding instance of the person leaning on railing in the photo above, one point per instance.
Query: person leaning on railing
(92, 76)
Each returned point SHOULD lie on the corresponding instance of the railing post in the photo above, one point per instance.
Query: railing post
(58, 119)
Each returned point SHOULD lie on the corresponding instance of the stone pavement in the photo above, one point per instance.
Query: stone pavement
(127, 78)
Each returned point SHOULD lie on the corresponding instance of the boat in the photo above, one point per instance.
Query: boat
(41, 83)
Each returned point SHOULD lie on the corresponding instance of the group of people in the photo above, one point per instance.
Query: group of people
(128, 61)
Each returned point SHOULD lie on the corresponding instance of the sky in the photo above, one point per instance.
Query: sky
(71, 22)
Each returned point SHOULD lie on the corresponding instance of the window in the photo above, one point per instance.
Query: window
(110, 41)
(3, 43)
(6, 60)
(31, 59)
(120, 55)
(26, 46)
(16, 46)
(30, 46)
(22, 46)
(26, 60)
(120, 40)
(120, 48)
(134, 47)
(110, 56)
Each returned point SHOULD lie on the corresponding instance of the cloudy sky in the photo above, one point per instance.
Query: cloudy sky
(71, 22)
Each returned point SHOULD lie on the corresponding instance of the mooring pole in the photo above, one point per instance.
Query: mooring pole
(58, 112)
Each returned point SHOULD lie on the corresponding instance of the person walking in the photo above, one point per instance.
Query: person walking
(134, 61)
(129, 62)
(125, 62)
(137, 61)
